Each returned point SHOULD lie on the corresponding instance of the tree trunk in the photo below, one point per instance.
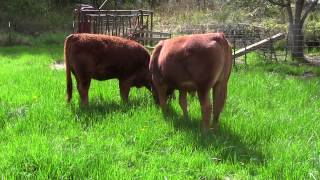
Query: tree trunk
(152, 4)
(198, 4)
(296, 16)
(296, 41)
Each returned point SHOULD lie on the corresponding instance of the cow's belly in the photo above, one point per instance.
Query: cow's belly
(178, 78)
(187, 86)
(187, 82)
(105, 75)
(108, 72)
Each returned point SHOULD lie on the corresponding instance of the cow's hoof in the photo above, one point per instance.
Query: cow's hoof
(124, 100)
(165, 109)
(84, 105)
(215, 128)
(185, 116)
(205, 129)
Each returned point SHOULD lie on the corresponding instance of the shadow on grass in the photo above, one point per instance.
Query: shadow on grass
(229, 145)
(99, 109)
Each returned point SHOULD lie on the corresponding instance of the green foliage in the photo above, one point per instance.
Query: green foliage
(33, 16)
(13, 38)
(313, 24)
(273, 25)
(269, 127)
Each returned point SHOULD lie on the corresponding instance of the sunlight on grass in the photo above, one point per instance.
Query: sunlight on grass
(269, 128)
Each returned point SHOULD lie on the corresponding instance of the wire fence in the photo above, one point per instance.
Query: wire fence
(245, 36)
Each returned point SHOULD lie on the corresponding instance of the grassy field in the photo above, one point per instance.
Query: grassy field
(269, 128)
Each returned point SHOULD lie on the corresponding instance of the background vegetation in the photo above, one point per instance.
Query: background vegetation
(37, 16)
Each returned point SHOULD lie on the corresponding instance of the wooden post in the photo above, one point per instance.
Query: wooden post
(9, 38)
(272, 50)
(141, 18)
(94, 24)
(122, 26)
(234, 47)
(245, 48)
(114, 25)
(73, 27)
(151, 22)
(285, 58)
(100, 22)
(118, 25)
(151, 27)
(73, 24)
(107, 24)
(140, 26)
(147, 34)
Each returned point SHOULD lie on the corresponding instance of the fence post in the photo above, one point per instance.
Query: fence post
(9, 38)
(234, 47)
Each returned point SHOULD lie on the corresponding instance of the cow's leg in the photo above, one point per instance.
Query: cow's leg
(219, 94)
(83, 88)
(124, 86)
(192, 93)
(206, 108)
(183, 102)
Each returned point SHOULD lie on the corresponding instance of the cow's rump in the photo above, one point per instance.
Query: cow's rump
(193, 63)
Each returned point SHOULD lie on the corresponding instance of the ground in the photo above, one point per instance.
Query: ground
(269, 127)
(314, 60)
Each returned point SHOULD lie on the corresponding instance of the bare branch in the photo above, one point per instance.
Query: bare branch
(282, 3)
(311, 7)
(285, 4)
(290, 15)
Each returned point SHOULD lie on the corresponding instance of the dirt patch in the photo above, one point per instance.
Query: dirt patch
(308, 74)
(57, 66)
(314, 60)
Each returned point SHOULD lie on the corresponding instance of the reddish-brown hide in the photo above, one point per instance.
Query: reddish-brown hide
(193, 63)
(102, 57)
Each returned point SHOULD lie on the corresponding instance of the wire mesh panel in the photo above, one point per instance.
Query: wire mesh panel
(272, 44)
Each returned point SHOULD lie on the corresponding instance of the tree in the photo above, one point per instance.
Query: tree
(298, 11)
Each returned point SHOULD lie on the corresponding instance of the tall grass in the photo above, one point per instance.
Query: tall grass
(269, 127)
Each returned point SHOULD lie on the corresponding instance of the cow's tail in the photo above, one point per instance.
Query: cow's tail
(68, 70)
(153, 65)
(221, 39)
(154, 69)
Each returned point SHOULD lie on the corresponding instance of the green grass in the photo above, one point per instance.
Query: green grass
(269, 128)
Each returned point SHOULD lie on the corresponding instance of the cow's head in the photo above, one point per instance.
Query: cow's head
(144, 79)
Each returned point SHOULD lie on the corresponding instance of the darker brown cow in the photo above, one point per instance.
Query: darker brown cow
(193, 63)
(103, 57)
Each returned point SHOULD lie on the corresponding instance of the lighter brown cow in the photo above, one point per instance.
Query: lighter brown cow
(103, 57)
(193, 63)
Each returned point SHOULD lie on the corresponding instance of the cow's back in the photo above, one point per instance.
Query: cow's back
(105, 57)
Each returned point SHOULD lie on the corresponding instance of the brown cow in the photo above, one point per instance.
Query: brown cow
(198, 63)
(103, 57)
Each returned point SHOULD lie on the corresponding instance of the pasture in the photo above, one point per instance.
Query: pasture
(269, 127)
